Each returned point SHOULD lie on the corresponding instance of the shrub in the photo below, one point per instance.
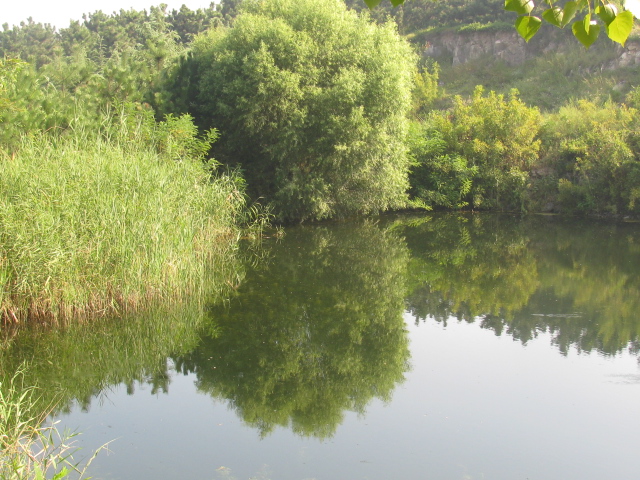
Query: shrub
(311, 101)
(488, 138)
(438, 178)
(592, 150)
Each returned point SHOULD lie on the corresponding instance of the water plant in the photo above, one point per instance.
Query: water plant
(30, 446)
(103, 222)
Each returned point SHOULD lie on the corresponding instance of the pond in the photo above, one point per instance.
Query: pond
(402, 347)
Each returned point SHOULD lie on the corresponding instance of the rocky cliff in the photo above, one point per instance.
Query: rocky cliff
(508, 46)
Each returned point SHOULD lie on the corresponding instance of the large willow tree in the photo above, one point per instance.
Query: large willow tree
(311, 102)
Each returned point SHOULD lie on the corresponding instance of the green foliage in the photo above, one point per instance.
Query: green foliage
(30, 449)
(9, 68)
(425, 89)
(438, 178)
(117, 219)
(417, 15)
(310, 100)
(593, 150)
(315, 331)
(618, 25)
(76, 88)
(102, 34)
(79, 72)
(488, 138)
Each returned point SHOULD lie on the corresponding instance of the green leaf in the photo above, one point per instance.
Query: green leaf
(372, 3)
(569, 11)
(38, 472)
(527, 27)
(586, 31)
(521, 7)
(607, 12)
(395, 3)
(620, 27)
(61, 474)
(554, 16)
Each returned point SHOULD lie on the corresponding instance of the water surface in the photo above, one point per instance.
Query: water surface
(432, 347)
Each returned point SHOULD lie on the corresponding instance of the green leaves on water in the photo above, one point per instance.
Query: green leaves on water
(618, 24)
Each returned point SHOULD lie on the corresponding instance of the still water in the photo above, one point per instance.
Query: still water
(437, 347)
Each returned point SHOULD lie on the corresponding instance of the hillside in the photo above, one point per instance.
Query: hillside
(474, 43)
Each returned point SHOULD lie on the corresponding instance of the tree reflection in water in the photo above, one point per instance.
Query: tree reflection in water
(577, 279)
(316, 331)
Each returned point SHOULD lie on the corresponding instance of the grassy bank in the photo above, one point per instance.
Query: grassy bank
(93, 226)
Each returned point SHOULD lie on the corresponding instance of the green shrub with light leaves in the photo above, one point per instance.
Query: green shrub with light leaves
(481, 152)
(593, 150)
(310, 99)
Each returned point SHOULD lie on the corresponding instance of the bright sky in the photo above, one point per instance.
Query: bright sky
(60, 12)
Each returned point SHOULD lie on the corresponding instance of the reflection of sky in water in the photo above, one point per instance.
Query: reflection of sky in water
(474, 406)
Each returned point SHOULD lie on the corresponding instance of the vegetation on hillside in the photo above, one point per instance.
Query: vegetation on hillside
(313, 105)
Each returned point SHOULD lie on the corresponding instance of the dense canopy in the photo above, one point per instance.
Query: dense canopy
(311, 100)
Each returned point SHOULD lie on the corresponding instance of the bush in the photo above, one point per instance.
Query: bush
(592, 150)
(311, 101)
(488, 138)
(438, 178)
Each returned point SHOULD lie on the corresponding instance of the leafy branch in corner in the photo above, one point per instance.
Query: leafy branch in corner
(586, 17)
(582, 15)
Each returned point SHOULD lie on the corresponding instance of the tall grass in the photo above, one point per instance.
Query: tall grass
(98, 224)
(29, 447)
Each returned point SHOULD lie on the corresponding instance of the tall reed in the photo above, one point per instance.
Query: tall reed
(31, 448)
(97, 224)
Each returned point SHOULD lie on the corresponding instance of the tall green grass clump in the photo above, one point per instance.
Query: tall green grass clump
(95, 224)
(30, 448)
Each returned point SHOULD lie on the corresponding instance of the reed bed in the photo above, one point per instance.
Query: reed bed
(92, 226)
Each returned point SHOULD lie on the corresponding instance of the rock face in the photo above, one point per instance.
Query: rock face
(629, 56)
(465, 46)
(509, 47)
